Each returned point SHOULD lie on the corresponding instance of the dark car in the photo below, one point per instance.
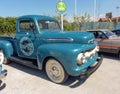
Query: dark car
(116, 31)
(107, 40)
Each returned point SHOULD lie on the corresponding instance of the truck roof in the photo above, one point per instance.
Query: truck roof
(36, 17)
(97, 30)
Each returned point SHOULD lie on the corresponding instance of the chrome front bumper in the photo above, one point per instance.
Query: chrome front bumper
(3, 74)
(93, 67)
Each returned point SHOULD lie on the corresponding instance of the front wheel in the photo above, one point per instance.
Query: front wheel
(55, 71)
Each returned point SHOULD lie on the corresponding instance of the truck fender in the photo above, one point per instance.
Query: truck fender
(42, 53)
(6, 47)
(54, 51)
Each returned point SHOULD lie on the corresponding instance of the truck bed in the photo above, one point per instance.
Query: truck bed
(12, 40)
(7, 37)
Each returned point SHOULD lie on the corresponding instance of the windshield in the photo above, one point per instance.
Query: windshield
(110, 34)
(48, 25)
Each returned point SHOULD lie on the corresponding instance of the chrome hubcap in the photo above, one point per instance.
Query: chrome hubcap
(54, 71)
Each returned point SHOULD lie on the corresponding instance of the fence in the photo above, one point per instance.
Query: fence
(100, 25)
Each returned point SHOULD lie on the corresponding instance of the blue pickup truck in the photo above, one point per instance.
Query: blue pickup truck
(39, 43)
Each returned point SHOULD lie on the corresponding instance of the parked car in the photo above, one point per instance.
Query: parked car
(3, 72)
(108, 41)
(116, 31)
(39, 43)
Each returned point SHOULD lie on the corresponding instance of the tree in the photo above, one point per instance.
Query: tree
(7, 25)
(67, 26)
(80, 20)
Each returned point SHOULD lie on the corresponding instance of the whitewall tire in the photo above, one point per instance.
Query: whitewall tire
(55, 71)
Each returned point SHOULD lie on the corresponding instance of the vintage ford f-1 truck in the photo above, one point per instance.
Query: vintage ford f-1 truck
(39, 43)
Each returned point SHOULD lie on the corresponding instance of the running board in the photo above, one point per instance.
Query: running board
(24, 62)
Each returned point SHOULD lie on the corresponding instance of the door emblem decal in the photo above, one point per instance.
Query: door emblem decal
(26, 46)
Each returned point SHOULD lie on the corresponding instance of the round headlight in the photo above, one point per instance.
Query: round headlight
(1, 57)
(79, 59)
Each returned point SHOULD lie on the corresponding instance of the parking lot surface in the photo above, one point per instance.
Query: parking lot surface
(24, 80)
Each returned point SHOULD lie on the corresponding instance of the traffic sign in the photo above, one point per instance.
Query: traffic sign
(61, 6)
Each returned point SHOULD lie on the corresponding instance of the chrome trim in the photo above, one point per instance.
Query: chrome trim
(82, 57)
(60, 39)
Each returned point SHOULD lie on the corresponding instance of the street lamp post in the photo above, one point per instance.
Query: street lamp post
(62, 20)
(118, 7)
(61, 7)
(75, 14)
(94, 10)
(75, 8)
(94, 26)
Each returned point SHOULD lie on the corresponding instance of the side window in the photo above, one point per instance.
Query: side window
(96, 34)
(53, 25)
(101, 35)
(42, 24)
(26, 25)
(48, 25)
(118, 32)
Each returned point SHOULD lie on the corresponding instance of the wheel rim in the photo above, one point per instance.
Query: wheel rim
(55, 71)
(1, 57)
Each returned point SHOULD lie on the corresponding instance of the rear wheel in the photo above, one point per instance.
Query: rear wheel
(55, 71)
(6, 61)
(3, 59)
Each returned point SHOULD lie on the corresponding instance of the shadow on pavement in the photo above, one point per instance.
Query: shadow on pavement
(110, 56)
(72, 82)
(2, 85)
(29, 70)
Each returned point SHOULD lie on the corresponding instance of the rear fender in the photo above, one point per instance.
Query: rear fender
(6, 47)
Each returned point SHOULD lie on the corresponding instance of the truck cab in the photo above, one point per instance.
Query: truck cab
(40, 43)
(32, 31)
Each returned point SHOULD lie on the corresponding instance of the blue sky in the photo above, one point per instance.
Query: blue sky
(45, 7)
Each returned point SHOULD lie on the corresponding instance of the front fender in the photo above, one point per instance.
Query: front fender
(66, 54)
(62, 53)
(6, 47)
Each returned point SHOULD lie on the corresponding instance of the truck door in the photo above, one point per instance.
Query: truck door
(26, 40)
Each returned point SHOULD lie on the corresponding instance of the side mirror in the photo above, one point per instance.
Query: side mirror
(32, 27)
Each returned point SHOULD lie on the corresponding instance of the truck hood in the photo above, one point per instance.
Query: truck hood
(67, 36)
